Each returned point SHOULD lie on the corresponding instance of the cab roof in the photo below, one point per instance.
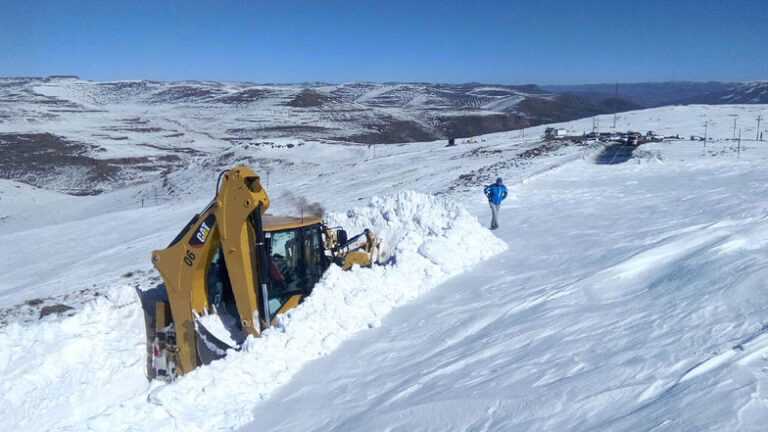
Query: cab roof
(279, 223)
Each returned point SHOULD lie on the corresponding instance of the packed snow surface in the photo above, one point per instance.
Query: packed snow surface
(632, 296)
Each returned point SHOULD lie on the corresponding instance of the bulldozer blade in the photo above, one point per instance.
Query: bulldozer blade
(149, 298)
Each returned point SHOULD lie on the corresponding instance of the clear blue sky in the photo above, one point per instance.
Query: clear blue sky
(541, 41)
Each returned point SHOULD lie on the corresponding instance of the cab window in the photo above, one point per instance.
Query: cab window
(296, 261)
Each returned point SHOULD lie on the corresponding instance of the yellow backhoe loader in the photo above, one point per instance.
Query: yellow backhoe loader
(232, 270)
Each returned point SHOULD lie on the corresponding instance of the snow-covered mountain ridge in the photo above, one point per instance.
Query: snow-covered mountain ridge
(85, 137)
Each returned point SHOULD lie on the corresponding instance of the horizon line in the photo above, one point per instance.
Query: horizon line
(318, 83)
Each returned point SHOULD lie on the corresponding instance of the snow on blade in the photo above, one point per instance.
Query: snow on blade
(100, 350)
(215, 325)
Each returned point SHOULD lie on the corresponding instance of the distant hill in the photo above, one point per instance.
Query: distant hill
(755, 92)
(371, 113)
(56, 129)
(655, 94)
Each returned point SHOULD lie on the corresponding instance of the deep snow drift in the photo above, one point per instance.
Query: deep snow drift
(58, 367)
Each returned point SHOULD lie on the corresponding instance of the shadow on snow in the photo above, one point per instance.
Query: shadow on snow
(615, 154)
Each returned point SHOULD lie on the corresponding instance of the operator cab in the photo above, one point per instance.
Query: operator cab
(297, 260)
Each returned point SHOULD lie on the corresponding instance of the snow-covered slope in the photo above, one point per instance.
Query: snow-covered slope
(631, 296)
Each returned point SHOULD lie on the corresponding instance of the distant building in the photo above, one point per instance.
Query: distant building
(555, 133)
(651, 136)
(605, 136)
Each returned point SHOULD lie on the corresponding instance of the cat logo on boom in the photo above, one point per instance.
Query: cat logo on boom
(203, 232)
(201, 235)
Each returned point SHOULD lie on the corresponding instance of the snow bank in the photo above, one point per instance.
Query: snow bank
(59, 372)
(53, 370)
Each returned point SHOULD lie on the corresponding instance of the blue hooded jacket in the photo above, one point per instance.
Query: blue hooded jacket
(496, 192)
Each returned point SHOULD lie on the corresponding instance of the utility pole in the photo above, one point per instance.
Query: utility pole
(706, 126)
(757, 135)
(735, 116)
(738, 148)
(616, 101)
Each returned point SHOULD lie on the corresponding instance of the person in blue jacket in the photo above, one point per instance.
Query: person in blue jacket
(496, 193)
